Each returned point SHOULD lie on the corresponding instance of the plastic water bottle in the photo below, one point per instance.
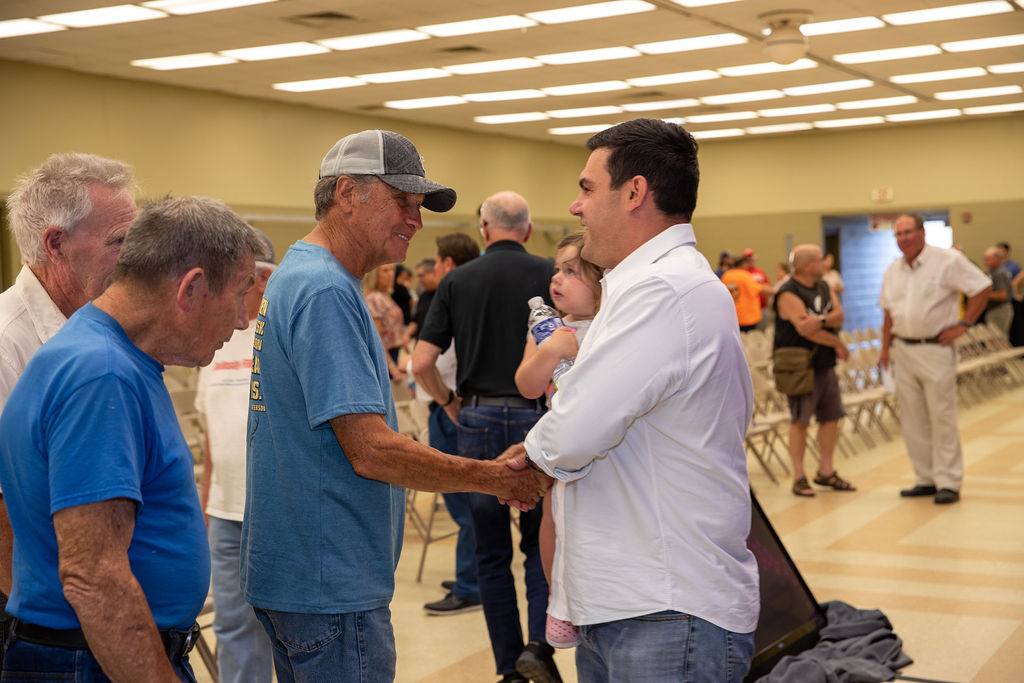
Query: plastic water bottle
(543, 321)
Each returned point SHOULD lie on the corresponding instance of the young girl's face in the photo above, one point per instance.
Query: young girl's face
(571, 291)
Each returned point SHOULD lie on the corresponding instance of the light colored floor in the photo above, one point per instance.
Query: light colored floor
(950, 578)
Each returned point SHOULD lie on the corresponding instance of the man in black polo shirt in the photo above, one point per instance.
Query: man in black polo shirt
(483, 306)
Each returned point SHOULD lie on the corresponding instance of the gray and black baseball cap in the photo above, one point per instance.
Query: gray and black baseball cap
(392, 158)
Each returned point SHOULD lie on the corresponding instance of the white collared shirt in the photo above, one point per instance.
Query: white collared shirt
(923, 298)
(28, 318)
(647, 431)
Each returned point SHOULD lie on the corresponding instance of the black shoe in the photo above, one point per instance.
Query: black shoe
(537, 663)
(451, 604)
(918, 490)
(946, 496)
(448, 584)
(513, 678)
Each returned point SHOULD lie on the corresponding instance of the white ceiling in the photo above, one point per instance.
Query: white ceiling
(109, 49)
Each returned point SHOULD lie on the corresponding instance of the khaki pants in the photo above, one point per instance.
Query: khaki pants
(925, 377)
(1002, 317)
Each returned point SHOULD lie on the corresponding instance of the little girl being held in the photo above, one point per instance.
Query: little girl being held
(575, 291)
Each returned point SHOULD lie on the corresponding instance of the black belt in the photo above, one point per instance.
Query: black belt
(919, 340)
(176, 643)
(471, 400)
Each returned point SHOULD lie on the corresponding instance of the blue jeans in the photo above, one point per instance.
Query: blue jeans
(662, 647)
(444, 437)
(484, 433)
(27, 662)
(358, 647)
(243, 650)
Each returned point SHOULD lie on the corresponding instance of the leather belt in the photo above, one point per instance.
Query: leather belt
(471, 400)
(176, 643)
(919, 340)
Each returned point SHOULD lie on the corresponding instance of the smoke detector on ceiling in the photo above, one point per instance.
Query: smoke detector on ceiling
(784, 43)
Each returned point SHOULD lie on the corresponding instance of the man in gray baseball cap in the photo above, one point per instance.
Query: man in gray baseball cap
(325, 507)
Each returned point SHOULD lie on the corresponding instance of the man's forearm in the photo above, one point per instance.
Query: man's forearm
(975, 305)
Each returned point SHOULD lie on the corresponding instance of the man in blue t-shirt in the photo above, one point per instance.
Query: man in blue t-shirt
(110, 564)
(325, 506)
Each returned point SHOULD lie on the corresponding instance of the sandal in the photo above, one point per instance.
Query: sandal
(834, 481)
(802, 488)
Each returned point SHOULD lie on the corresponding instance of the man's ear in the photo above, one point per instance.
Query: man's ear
(191, 289)
(345, 192)
(636, 191)
(53, 242)
(529, 231)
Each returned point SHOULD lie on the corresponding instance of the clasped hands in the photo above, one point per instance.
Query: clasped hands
(515, 459)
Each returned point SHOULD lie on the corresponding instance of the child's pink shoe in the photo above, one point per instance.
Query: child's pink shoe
(561, 633)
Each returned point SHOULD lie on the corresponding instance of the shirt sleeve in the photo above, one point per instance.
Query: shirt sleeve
(96, 445)
(437, 327)
(625, 371)
(963, 276)
(337, 355)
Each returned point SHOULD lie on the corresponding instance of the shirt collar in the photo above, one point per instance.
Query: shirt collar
(45, 316)
(678, 235)
(502, 245)
(921, 259)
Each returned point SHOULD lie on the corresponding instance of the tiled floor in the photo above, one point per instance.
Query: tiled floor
(950, 578)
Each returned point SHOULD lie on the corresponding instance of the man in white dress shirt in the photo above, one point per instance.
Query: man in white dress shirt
(647, 430)
(921, 299)
(69, 218)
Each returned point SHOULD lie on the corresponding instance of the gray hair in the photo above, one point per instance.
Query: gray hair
(323, 191)
(506, 211)
(57, 194)
(174, 234)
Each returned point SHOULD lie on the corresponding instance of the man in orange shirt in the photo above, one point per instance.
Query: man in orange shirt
(747, 293)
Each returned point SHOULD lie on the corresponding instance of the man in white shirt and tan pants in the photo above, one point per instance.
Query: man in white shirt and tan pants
(647, 430)
(921, 299)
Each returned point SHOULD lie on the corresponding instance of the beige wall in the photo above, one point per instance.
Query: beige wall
(261, 157)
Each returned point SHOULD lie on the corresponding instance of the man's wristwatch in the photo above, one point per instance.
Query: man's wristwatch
(822, 319)
(963, 323)
(451, 397)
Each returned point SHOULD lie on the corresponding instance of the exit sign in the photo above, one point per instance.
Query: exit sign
(882, 194)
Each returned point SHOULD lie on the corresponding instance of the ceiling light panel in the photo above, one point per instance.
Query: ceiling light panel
(580, 130)
(665, 47)
(583, 56)
(843, 123)
(281, 51)
(27, 27)
(971, 9)
(721, 133)
(103, 16)
(319, 84)
(403, 76)
(489, 25)
(766, 68)
(586, 88)
(835, 86)
(1016, 67)
(779, 128)
(978, 92)
(982, 43)
(733, 98)
(663, 104)
(365, 40)
(798, 111)
(701, 3)
(888, 54)
(583, 111)
(672, 79)
(820, 28)
(948, 74)
(599, 10)
(192, 61)
(493, 66)
(512, 118)
(504, 95)
(995, 108)
(425, 102)
(878, 102)
(725, 116)
(923, 115)
(198, 6)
